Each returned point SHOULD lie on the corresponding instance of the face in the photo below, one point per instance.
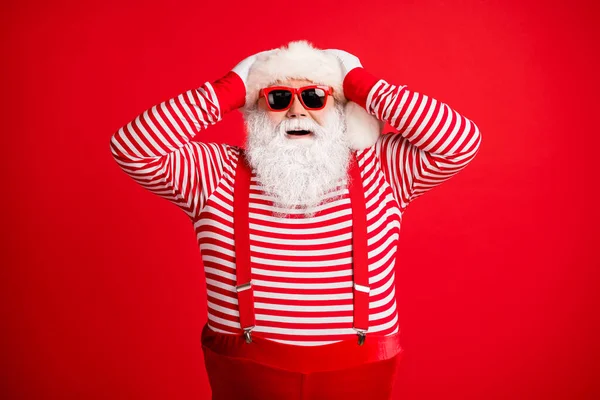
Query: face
(298, 171)
(297, 110)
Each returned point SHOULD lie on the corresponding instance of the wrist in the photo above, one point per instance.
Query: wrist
(230, 91)
(357, 85)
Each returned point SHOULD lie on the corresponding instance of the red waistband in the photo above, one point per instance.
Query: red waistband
(334, 356)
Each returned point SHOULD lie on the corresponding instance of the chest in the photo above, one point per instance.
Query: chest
(321, 240)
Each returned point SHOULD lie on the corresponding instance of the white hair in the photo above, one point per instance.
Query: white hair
(298, 173)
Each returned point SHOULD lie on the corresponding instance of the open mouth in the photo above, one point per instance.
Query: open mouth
(298, 132)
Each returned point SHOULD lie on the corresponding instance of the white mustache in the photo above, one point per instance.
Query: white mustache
(304, 124)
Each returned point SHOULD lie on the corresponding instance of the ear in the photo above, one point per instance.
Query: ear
(362, 129)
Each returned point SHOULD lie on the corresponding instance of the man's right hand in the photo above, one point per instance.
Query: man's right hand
(243, 68)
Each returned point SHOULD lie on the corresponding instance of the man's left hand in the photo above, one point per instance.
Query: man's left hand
(347, 60)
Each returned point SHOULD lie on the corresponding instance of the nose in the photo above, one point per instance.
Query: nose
(296, 110)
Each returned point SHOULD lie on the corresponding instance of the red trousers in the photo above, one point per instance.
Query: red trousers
(268, 370)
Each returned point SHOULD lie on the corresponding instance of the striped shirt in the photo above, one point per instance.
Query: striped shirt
(301, 266)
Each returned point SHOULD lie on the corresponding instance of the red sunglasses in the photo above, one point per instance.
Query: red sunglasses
(312, 97)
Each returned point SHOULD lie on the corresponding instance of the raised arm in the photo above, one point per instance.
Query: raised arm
(157, 151)
(434, 142)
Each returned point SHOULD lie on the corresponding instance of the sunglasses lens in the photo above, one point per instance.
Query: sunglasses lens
(314, 98)
(279, 99)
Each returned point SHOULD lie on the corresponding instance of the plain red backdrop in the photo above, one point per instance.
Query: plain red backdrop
(103, 292)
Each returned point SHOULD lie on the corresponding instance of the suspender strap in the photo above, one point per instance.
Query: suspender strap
(241, 202)
(359, 252)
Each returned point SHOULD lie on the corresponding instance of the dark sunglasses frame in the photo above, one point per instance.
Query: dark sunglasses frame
(295, 92)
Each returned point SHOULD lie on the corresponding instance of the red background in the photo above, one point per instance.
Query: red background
(103, 293)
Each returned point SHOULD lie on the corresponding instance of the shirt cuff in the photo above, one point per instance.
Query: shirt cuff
(230, 91)
(357, 85)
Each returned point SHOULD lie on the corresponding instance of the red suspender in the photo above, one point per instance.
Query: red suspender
(359, 252)
(241, 231)
(241, 201)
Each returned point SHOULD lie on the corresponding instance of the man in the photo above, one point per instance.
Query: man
(298, 232)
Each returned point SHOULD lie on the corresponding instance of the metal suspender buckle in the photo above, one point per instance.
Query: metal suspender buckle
(244, 286)
(362, 333)
(247, 334)
(362, 288)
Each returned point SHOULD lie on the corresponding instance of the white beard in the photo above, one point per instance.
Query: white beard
(298, 173)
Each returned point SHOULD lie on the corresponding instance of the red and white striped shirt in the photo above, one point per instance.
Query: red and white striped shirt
(301, 266)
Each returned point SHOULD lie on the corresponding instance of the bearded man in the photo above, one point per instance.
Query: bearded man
(299, 232)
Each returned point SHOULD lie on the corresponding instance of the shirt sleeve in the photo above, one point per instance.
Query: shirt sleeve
(434, 142)
(156, 148)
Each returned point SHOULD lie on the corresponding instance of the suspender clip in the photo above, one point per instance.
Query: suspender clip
(247, 334)
(362, 334)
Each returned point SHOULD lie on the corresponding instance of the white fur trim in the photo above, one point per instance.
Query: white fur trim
(362, 128)
(300, 60)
